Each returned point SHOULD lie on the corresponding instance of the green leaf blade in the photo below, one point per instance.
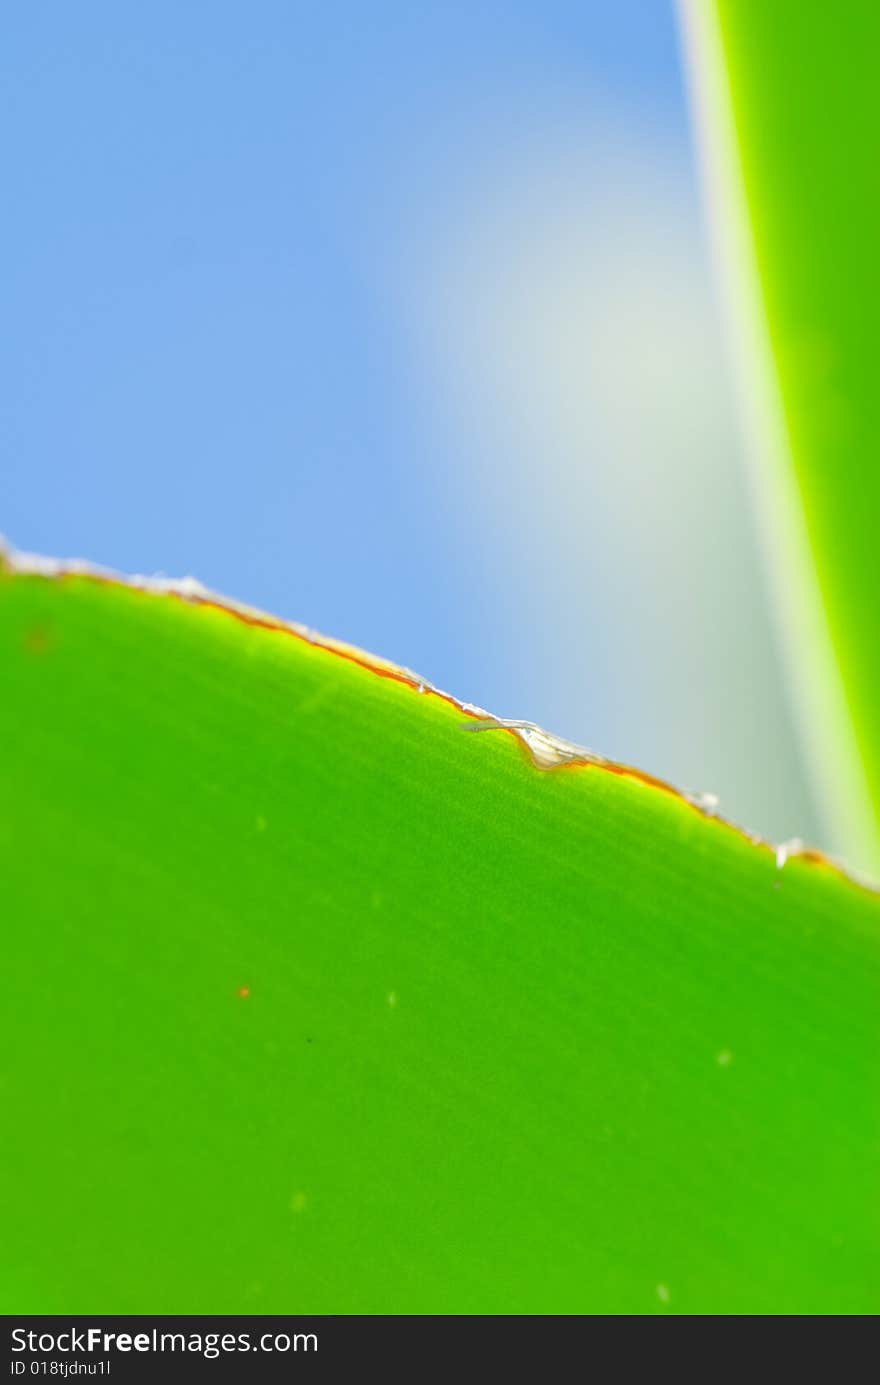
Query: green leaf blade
(787, 111)
(319, 1004)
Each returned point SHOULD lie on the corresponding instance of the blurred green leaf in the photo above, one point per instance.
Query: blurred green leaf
(797, 83)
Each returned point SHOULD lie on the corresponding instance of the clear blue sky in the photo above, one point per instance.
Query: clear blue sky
(212, 215)
(198, 373)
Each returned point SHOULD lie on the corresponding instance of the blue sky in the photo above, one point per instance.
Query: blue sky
(275, 311)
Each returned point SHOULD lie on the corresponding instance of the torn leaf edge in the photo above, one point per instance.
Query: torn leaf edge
(546, 752)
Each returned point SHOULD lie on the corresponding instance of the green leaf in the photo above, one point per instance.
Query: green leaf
(789, 110)
(315, 1002)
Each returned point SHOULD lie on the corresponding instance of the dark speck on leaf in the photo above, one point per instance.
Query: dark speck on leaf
(39, 639)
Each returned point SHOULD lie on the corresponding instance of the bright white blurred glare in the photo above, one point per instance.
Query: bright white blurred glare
(560, 301)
